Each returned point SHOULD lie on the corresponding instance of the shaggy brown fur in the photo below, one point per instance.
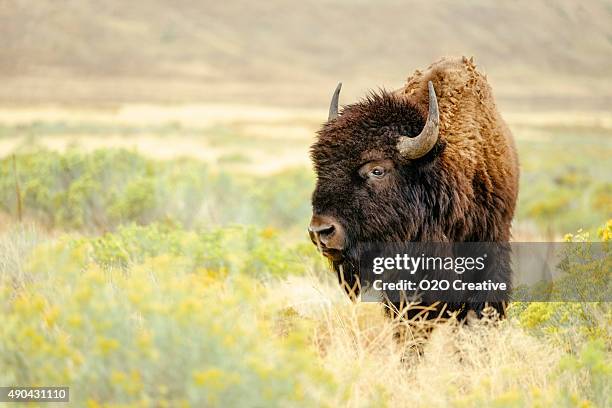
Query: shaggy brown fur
(464, 189)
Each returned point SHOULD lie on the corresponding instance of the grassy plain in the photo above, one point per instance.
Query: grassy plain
(161, 259)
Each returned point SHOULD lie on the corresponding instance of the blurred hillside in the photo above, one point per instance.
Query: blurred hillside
(548, 54)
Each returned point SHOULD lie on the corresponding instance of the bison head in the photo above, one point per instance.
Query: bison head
(376, 176)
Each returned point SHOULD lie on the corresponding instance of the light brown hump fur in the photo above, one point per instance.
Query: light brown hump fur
(478, 142)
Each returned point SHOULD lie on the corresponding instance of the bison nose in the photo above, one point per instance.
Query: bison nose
(326, 233)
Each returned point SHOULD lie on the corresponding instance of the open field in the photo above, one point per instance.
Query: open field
(165, 245)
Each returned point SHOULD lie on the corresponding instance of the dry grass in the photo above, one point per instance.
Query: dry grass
(447, 364)
(16, 242)
(260, 140)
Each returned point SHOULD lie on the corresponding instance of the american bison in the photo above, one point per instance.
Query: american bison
(431, 162)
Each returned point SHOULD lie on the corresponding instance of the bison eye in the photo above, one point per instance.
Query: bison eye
(377, 172)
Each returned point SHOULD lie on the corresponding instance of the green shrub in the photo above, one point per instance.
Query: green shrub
(592, 364)
(237, 249)
(565, 180)
(109, 187)
(571, 324)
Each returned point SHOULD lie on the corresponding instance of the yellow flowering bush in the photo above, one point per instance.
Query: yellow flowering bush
(160, 331)
(571, 324)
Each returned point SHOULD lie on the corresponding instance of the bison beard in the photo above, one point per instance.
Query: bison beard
(404, 167)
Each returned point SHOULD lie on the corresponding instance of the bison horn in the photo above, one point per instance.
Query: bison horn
(333, 107)
(415, 147)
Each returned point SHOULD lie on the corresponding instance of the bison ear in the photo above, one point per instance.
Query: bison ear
(333, 107)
